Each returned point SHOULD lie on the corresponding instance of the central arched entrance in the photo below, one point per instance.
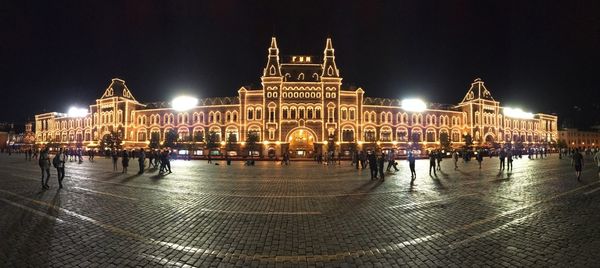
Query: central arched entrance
(301, 143)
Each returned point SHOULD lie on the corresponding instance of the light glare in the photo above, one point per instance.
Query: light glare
(183, 103)
(517, 113)
(414, 105)
(77, 112)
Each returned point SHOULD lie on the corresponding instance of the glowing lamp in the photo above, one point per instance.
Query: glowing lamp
(517, 113)
(222, 143)
(77, 112)
(413, 105)
(184, 103)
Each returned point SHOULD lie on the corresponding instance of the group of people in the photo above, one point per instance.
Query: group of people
(57, 162)
(160, 159)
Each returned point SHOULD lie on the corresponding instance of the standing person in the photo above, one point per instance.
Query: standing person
(438, 158)
(125, 161)
(44, 163)
(455, 156)
(432, 159)
(380, 163)
(355, 159)
(391, 158)
(115, 158)
(597, 160)
(59, 163)
(141, 161)
(479, 158)
(167, 161)
(151, 159)
(362, 158)
(372, 164)
(209, 158)
(411, 165)
(502, 156)
(509, 158)
(577, 162)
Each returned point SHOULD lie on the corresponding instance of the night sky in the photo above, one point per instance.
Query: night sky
(543, 56)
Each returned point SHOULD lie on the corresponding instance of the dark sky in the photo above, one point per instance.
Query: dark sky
(543, 56)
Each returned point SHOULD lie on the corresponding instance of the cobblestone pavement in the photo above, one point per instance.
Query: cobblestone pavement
(301, 215)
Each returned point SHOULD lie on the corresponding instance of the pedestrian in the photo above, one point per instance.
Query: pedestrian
(372, 164)
(142, 161)
(167, 161)
(479, 158)
(432, 159)
(59, 163)
(438, 158)
(502, 157)
(125, 161)
(597, 160)
(411, 165)
(391, 158)
(380, 163)
(115, 158)
(455, 156)
(577, 162)
(509, 159)
(44, 163)
(363, 159)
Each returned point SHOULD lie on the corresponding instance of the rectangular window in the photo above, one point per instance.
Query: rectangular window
(351, 114)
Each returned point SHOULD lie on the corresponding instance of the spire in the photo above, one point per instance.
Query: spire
(329, 67)
(117, 88)
(478, 91)
(272, 69)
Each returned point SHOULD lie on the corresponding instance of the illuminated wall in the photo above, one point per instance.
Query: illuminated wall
(302, 94)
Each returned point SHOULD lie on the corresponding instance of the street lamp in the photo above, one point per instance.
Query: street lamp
(184, 103)
(413, 105)
(77, 112)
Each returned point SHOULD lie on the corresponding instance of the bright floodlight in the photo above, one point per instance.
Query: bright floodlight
(184, 103)
(77, 112)
(414, 105)
(517, 113)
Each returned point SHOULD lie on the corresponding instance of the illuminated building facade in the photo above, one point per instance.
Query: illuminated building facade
(301, 108)
(574, 138)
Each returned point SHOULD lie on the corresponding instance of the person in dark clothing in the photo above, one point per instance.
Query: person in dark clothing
(363, 160)
(372, 165)
(141, 161)
(502, 156)
(479, 158)
(44, 163)
(380, 163)
(125, 161)
(577, 162)
(167, 160)
(60, 166)
(411, 165)
(115, 158)
(438, 159)
(432, 160)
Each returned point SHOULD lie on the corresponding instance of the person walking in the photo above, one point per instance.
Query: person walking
(455, 156)
(577, 162)
(411, 165)
(380, 163)
(502, 157)
(363, 159)
(59, 163)
(115, 158)
(372, 164)
(432, 159)
(391, 158)
(142, 161)
(438, 157)
(597, 160)
(125, 161)
(479, 158)
(509, 159)
(168, 161)
(44, 163)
